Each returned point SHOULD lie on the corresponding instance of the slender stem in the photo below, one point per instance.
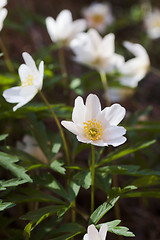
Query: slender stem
(6, 56)
(105, 86)
(155, 71)
(92, 178)
(63, 65)
(58, 125)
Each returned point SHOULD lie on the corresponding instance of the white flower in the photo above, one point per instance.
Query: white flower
(31, 82)
(97, 52)
(64, 29)
(136, 68)
(93, 234)
(3, 12)
(96, 126)
(152, 23)
(30, 146)
(98, 16)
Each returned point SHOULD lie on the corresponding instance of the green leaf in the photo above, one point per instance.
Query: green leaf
(56, 165)
(67, 231)
(11, 183)
(73, 191)
(3, 137)
(121, 153)
(5, 205)
(8, 162)
(102, 210)
(119, 230)
(83, 178)
(42, 213)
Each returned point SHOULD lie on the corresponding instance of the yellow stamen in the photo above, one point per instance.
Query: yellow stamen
(97, 18)
(93, 129)
(29, 81)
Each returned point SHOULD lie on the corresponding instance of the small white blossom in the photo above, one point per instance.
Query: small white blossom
(30, 146)
(98, 16)
(136, 68)
(93, 234)
(31, 82)
(95, 126)
(96, 52)
(3, 12)
(64, 29)
(152, 23)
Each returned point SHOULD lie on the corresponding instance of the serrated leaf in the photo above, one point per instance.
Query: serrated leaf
(83, 178)
(102, 210)
(5, 205)
(56, 165)
(11, 183)
(119, 230)
(8, 162)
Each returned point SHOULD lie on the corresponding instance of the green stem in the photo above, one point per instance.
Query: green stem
(105, 86)
(58, 125)
(92, 178)
(6, 57)
(63, 65)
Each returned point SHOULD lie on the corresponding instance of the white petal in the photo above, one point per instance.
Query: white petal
(79, 26)
(114, 114)
(29, 91)
(41, 71)
(116, 142)
(12, 95)
(93, 107)
(64, 18)
(20, 104)
(93, 233)
(99, 143)
(3, 3)
(95, 38)
(113, 133)
(70, 126)
(3, 14)
(82, 138)
(24, 71)
(103, 231)
(78, 115)
(85, 237)
(108, 44)
(29, 61)
(51, 28)
(136, 49)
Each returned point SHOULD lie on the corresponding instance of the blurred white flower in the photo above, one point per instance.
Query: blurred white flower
(95, 126)
(98, 16)
(3, 12)
(136, 68)
(30, 146)
(152, 23)
(31, 82)
(64, 29)
(96, 52)
(92, 233)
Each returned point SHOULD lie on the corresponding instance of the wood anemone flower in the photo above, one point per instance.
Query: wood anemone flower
(96, 52)
(136, 68)
(64, 29)
(31, 82)
(95, 126)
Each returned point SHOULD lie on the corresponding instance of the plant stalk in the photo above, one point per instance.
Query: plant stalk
(6, 57)
(58, 125)
(105, 86)
(92, 178)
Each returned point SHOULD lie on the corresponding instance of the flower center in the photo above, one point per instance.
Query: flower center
(97, 18)
(29, 81)
(93, 129)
